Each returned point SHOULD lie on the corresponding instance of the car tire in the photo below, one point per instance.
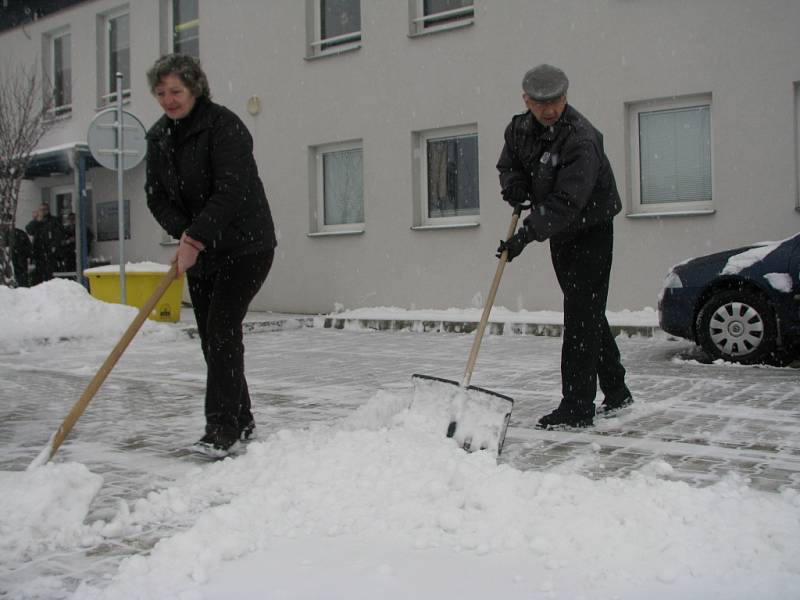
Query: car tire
(737, 326)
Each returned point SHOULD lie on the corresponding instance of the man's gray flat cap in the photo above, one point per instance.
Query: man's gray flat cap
(545, 83)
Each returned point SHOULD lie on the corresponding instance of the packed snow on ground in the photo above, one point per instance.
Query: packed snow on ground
(380, 506)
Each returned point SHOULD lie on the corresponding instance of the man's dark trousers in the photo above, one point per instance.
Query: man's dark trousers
(582, 262)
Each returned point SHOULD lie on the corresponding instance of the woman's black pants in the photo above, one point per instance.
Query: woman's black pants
(220, 300)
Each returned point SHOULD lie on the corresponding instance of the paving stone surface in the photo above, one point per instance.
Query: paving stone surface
(703, 419)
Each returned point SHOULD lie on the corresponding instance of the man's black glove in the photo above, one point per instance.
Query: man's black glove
(515, 244)
(516, 193)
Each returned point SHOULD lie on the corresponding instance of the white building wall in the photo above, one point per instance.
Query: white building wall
(615, 52)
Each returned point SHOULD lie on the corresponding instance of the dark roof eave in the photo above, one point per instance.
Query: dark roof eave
(60, 161)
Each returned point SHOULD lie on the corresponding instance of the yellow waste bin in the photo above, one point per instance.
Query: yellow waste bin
(141, 280)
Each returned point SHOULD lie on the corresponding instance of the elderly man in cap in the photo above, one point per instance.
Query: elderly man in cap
(554, 158)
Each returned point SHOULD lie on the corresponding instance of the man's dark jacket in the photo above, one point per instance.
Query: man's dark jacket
(202, 179)
(21, 253)
(48, 235)
(566, 169)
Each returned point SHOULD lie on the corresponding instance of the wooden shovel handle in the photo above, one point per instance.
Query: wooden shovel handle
(487, 307)
(116, 353)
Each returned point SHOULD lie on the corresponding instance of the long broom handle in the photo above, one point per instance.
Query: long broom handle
(116, 353)
(487, 308)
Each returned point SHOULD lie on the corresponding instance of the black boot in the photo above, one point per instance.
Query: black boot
(248, 430)
(564, 417)
(613, 402)
(218, 441)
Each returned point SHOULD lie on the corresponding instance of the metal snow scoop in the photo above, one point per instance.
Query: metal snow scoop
(475, 417)
(77, 410)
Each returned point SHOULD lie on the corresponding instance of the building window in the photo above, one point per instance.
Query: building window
(117, 56)
(429, 16)
(339, 188)
(61, 204)
(185, 27)
(334, 26)
(60, 73)
(671, 156)
(448, 177)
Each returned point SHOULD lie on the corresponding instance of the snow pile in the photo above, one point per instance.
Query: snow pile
(44, 507)
(413, 495)
(137, 267)
(378, 505)
(62, 309)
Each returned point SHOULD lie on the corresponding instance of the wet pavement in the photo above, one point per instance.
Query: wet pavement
(705, 420)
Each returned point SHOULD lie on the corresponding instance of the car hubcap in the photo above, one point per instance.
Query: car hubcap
(736, 329)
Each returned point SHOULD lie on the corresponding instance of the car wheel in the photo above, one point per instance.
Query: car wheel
(737, 326)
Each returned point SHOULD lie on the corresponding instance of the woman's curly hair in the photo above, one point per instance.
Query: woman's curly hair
(186, 67)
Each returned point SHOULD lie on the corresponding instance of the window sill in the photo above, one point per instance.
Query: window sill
(113, 104)
(443, 226)
(336, 51)
(677, 213)
(336, 233)
(442, 28)
(55, 118)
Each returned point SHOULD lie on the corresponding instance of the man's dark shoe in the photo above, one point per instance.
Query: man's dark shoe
(612, 404)
(247, 431)
(562, 418)
(218, 441)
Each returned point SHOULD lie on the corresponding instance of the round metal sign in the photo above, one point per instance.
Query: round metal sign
(103, 134)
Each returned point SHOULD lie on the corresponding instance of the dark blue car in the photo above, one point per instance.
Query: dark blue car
(739, 305)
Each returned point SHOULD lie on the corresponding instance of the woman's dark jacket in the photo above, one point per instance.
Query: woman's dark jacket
(202, 179)
(565, 168)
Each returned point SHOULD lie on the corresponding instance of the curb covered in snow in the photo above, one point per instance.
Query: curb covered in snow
(267, 322)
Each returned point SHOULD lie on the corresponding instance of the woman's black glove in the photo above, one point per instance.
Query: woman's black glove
(515, 244)
(516, 193)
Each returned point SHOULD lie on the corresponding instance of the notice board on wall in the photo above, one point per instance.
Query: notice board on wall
(108, 221)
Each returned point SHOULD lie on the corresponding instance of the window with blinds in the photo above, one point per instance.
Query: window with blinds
(671, 154)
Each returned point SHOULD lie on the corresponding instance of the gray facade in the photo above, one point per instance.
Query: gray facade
(396, 88)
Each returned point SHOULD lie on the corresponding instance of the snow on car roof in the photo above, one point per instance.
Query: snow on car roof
(738, 262)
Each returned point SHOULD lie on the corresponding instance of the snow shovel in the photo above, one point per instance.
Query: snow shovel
(77, 410)
(475, 417)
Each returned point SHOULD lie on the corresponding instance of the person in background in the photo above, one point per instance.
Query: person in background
(21, 254)
(48, 236)
(204, 189)
(68, 249)
(554, 158)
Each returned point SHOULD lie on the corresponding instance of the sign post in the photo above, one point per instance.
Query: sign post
(117, 141)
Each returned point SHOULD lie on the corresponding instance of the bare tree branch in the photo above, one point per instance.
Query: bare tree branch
(24, 104)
